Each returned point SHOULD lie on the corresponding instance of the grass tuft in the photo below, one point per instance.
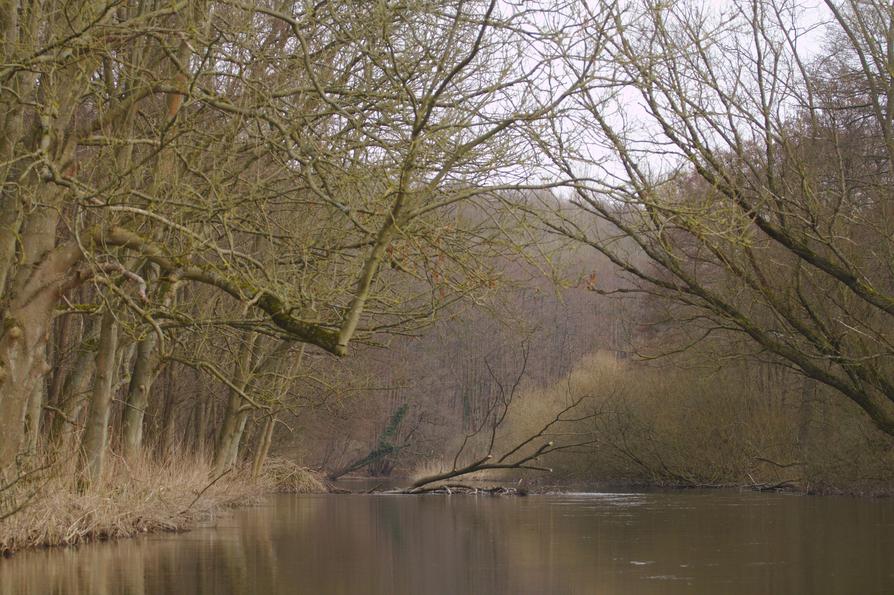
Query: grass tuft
(138, 497)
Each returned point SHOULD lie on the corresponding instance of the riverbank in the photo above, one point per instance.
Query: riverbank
(150, 497)
(51, 509)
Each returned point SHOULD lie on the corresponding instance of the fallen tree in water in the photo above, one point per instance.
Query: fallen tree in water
(521, 456)
(449, 489)
(525, 453)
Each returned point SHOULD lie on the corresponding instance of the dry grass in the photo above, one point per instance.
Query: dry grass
(430, 467)
(140, 497)
(287, 477)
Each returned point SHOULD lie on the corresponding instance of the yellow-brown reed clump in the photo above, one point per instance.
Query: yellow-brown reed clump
(53, 506)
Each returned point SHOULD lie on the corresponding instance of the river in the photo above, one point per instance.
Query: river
(666, 542)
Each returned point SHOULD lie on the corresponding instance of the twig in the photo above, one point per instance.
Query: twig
(205, 489)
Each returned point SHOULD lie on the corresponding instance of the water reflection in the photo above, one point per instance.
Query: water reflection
(581, 543)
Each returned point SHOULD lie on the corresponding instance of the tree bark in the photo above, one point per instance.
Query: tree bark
(62, 340)
(235, 417)
(96, 431)
(74, 389)
(23, 336)
(202, 429)
(237, 412)
(263, 446)
(33, 416)
(137, 399)
(228, 453)
(65, 424)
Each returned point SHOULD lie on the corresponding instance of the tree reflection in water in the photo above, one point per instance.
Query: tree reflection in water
(648, 543)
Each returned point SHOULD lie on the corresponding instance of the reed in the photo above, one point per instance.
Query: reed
(55, 507)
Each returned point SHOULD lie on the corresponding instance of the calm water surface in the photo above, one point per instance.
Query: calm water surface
(704, 543)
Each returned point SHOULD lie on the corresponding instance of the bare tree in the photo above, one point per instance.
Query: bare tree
(752, 177)
(301, 168)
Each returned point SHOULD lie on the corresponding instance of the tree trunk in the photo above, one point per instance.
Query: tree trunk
(263, 446)
(236, 415)
(165, 424)
(65, 425)
(72, 394)
(23, 336)
(33, 416)
(139, 390)
(138, 396)
(230, 433)
(96, 431)
(62, 341)
(202, 428)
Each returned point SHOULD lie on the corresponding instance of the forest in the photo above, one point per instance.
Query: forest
(259, 246)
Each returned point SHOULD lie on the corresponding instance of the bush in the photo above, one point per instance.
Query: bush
(739, 422)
